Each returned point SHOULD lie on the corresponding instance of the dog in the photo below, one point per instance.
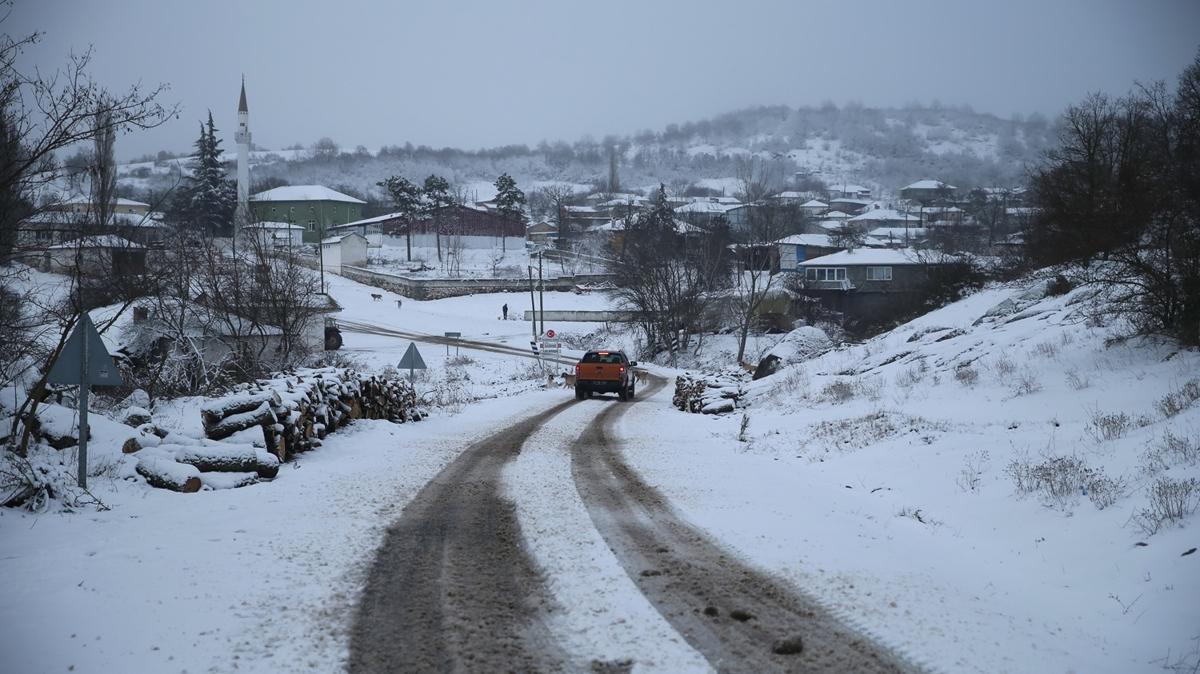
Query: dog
(375, 297)
(640, 377)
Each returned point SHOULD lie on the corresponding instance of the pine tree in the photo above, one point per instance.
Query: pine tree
(206, 203)
(510, 202)
(437, 199)
(406, 196)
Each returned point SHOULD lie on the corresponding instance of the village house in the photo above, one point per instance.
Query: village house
(315, 207)
(883, 217)
(849, 206)
(848, 191)
(543, 233)
(869, 285)
(99, 256)
(928, 192)
(797, 248)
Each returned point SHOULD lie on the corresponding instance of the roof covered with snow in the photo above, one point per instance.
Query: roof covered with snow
(305, 193)
(99, 241)
(119, 201)
(272, 225)
(814, 203)
(870, 256)
(929, 185)
(884, 215)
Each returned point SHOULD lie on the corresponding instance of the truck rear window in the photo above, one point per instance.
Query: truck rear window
(611, 358)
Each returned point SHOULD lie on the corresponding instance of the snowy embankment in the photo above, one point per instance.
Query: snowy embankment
(978, 494)
(261, 579)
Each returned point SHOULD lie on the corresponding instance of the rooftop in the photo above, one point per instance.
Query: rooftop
(870, 256)
(305, 193)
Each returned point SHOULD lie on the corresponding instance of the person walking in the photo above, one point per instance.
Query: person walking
(504, 310)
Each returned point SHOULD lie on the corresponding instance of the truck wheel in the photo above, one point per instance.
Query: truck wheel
(623, 395)
(632, 391)
(579, 394)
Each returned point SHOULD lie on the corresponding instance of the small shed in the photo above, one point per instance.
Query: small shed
(272, 234)
(101, 255)
(345, 249)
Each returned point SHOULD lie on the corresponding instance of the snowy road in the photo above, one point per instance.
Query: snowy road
(454, 586)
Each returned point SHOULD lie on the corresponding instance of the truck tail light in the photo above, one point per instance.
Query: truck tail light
(620, 369)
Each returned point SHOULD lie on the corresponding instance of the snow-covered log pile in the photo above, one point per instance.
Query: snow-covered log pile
(248, 433)
(710, 393)
(295, 411)
(186, 464)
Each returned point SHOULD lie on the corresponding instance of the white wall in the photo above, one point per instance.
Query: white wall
(468, 241)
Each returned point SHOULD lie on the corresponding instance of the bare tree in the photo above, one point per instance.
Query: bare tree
(44, 113)
(755, 275)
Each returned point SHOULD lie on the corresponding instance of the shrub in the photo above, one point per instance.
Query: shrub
(1169, 501)
(1109, 426)
(1077, 381)
(1177, 401)
(966, 376)
(838, 391)
(1004, 368)
(1061, 477)
(1027, 383)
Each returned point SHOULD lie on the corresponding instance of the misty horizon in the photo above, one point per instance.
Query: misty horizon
(479, 76)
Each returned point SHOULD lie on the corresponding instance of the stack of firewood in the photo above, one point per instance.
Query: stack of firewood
(294, 411)
(709, 393)
(297, 410)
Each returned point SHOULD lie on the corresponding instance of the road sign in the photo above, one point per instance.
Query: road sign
(412, 360)
(456, 336)
(100, 367)
(84, 361)
(550, 334)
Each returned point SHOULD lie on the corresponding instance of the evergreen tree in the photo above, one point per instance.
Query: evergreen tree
(510, 201)
(207, 202)
(437, 200)
(406, 197)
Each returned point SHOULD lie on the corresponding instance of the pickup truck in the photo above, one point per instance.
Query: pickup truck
(604, 372)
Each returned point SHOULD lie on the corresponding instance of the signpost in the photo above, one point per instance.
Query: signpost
(412, 360)
(84, 361)
(550, 334)
(455, 336)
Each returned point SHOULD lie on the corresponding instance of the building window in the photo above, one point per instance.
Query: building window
(825, 274)
(879, 273)
(312, 225)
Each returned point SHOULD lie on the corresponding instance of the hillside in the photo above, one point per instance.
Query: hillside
(881, 147)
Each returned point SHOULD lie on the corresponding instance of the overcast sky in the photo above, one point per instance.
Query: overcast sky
(472, 74)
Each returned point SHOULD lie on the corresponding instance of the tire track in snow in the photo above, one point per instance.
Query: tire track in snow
(696, 584)
(452, 587)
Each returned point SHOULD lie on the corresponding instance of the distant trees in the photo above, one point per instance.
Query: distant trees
(325, 148)
(1119, 204)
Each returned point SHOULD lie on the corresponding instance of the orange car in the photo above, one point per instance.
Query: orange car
(604, 372)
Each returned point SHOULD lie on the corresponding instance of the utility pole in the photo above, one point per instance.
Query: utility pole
(532, 306)
(541, 297)
(84, 385)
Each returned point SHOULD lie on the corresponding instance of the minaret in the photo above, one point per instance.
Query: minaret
(242, 137)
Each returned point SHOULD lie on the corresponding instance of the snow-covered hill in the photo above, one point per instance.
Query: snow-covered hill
(999, 485)
(881, 147)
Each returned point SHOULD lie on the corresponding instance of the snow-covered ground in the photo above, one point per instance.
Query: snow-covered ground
(878, 477)
(881, 479)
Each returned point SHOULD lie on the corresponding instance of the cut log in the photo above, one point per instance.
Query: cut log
(216, 411)
(241, 421)
(228, 480)
(267, 465)
(230, 459)
(165, 473)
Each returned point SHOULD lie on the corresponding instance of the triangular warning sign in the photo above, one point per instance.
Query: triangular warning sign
(67, 368)
(412, 359)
